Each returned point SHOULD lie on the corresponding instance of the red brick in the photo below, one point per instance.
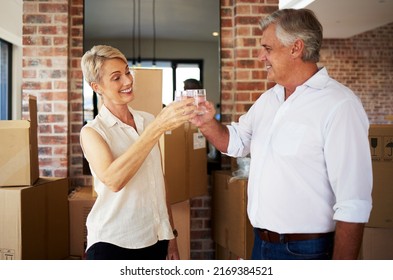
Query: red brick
(36, 19)
(29, 74)
(36, 85)
(242, 53)
(52, 8)
(60, 128)
(242, 96)
(62, 173)
(45, 129)
(51, 140)
(243, 74)
(242, 9)
(244, 31)
(247, 20)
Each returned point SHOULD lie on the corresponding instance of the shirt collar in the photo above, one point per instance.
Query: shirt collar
(318, 81)
(110, 120)
(107, 117)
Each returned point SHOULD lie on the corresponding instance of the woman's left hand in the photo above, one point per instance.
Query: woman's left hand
(173, 252)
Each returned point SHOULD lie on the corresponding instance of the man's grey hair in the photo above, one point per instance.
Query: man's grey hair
(300, 24)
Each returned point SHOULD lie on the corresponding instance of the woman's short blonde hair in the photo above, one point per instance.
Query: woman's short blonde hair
(93, 60)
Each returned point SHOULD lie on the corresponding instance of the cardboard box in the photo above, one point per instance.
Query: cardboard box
(181, 220)
(34, 221)
(18, 150)
(80, 203)
(197, 162)
(381, 145)
(184, 163)
(148, 90)
(224, 254)
(173, 149)
(377, 244)
(231, 227)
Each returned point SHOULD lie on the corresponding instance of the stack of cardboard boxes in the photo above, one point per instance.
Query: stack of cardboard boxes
(378, 234)
(232, 231)
(184, 161)
(81, 200)
(184, 156)
(33, 211)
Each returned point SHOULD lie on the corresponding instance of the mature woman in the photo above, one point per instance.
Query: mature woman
(130, 218)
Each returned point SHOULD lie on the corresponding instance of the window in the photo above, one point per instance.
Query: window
(5, 80)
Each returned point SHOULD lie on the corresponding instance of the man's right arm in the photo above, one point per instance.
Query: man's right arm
(217, 134)
(214, 131)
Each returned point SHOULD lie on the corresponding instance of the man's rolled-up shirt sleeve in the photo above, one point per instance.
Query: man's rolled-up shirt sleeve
(348, 162)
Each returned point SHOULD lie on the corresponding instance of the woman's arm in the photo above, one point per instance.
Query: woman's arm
(115, 173)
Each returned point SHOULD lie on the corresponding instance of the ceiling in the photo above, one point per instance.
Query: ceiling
(175, 19)
(197, 19)
(346, 18)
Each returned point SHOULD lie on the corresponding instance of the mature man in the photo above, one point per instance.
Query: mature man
(310, 178)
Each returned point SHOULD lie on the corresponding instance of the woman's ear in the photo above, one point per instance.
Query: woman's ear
(95, 87)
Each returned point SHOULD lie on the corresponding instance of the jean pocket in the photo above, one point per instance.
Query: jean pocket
(317, 249)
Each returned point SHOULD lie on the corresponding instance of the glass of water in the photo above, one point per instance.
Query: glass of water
(200, 99)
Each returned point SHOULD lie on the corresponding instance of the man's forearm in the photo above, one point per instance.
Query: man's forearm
(348, 240)
(217, 134)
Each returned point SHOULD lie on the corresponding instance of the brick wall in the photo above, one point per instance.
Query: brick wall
(75, 93)
(45, 75)
(365, 64)
(243, 77)
(52, 48)
(53, 36)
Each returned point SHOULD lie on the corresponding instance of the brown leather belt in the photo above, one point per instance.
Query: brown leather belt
(274, 237)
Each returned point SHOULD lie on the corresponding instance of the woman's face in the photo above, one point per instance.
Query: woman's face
(116, 84)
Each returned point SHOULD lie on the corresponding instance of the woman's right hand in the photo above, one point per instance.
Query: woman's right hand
(175, 114)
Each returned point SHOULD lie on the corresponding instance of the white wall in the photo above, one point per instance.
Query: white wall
(169, 49)
(11, 13)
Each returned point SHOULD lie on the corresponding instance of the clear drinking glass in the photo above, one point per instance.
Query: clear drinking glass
(200, 99)
(189, 93)
(178, 95)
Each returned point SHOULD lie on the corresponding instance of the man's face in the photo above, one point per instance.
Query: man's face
(276, 56)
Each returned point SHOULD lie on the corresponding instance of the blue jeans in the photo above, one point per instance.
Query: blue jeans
(315, 249)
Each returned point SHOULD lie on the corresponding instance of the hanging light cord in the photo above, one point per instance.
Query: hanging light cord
(139, 31)
(154, 32)
(133, 36)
